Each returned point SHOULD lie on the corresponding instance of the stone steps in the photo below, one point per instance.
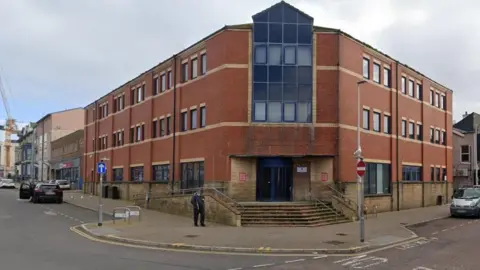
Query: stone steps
(289, 215)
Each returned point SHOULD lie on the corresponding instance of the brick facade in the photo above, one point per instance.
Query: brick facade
(230, 142)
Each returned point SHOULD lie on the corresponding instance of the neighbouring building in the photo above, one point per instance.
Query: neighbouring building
(67, 158)
(268, 112)
(466, 150)
(49, 128)
(7, 164)
(23, 158)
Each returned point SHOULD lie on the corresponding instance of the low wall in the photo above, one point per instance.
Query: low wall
(180, 205)
(128, 190)
(409, 195)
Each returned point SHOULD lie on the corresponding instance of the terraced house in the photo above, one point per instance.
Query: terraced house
(267, 111)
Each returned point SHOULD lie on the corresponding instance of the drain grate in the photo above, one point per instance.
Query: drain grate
(191, 236)
(342, 234)
(334, 242)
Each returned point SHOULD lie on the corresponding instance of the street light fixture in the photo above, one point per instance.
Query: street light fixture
(359, 156)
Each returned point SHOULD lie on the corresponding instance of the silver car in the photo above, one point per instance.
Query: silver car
(466, 202)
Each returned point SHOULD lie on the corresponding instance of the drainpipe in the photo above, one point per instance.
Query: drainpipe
(174, 119)
(397, 144)
(95, 117)
(339, 40)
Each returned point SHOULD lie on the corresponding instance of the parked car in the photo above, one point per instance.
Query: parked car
(7, 183)
(41, 192)
(64, 184)
(466, 202)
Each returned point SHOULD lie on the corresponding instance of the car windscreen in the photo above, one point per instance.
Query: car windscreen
(7, 181)
(468, 193)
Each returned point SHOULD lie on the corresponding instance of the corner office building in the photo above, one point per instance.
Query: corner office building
(268, 112)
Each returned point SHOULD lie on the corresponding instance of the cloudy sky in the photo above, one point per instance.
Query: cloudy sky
(58, 54)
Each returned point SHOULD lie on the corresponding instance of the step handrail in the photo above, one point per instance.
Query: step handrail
(349, 203)
(317, 201)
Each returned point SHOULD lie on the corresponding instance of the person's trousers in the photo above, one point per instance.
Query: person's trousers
(196, 213)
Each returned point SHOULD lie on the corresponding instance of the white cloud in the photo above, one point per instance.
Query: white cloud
(58, 54)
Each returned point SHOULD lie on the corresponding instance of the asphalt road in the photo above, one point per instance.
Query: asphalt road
(448, 244)
(38, 236)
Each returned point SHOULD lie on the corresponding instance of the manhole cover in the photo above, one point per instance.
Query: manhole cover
(342, 234)
(334, 242)
(191, 236)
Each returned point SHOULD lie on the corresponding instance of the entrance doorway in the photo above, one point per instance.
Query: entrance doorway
(274, 179)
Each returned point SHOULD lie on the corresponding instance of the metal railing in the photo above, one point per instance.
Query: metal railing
(325, 206)
(136, 212)
(341, 197)
(125, 215)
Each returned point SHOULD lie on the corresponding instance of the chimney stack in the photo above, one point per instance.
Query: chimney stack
(465, 114)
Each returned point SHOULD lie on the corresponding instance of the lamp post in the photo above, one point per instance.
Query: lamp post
(358, 155)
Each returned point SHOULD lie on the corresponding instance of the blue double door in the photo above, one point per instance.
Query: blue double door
(274, 179)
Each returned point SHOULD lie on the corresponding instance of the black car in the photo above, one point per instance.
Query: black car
(41, 192)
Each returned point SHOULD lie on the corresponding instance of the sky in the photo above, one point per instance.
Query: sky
(57, 54)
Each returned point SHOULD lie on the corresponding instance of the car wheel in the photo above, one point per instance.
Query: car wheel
(59, 201)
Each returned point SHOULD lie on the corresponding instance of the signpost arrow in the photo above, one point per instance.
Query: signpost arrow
(360, 168)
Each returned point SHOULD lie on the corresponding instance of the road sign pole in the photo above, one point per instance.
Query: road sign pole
(360, 195)
(100, 205)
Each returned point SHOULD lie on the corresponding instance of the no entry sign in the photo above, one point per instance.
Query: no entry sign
(360, 168)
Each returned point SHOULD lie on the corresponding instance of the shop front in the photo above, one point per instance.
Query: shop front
(68, 170)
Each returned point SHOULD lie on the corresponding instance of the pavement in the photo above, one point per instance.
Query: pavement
(160, 230)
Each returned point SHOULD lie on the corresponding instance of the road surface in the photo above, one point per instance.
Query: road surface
(38, 236)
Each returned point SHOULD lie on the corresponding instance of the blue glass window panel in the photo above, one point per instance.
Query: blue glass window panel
(274, 111)
(275, 74)
(305, 75)
(290, 55)
(289, 33)
(260, 91)
(304, 34)
(289, 15)
(275, 33)
(289, 74)
(260, 32)
(275, 92)
(275, 55)
(260, 54)
(289, 112)
(305, 92)
(276, 13)
(290, 92)
(304, 19)
(261, 17)
(304, 112)
(260, 73)
(304, 55)
(260, 111)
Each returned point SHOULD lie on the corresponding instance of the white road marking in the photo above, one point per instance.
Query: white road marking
(319, 257)
(433, 233)
(362, 261)
(263, 265)
(294, 261)
(415, 243)
(421, 268)
(235, 269)
(461, 225)
(444, 230)
(469, 222)
(454, 227)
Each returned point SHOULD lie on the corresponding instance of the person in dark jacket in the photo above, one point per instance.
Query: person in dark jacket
(198, 203)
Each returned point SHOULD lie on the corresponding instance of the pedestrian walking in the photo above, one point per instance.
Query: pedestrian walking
(198, 202)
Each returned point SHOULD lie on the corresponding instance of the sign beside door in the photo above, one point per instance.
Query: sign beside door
(302, 169)
(243, 177)
(324, 176)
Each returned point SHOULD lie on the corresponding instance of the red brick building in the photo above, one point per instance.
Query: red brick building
(268, 111)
